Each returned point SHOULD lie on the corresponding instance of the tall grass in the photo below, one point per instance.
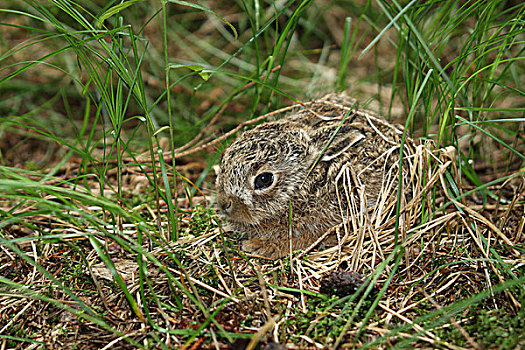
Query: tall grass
(103, 85)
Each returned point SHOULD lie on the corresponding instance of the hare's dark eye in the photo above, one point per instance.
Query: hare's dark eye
(263, 180)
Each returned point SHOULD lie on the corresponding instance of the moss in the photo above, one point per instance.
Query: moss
(488, 328)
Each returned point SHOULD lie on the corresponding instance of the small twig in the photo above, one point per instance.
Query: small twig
(262, 331)
(264, 291)
(202, 132)
(231, 132)
(252, 83)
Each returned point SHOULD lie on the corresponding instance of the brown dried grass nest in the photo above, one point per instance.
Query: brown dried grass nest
(444, 258)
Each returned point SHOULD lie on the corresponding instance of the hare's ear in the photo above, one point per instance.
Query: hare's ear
(332, 143)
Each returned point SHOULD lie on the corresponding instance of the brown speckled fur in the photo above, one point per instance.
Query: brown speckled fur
(288, 148)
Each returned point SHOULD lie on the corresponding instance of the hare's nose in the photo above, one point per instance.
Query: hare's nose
(225, 205)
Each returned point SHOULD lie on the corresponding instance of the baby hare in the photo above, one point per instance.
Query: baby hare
(280, 181)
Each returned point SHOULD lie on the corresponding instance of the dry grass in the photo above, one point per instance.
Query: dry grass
(445, 258)
(57, 291)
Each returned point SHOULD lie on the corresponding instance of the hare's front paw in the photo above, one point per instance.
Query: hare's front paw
(264, 247)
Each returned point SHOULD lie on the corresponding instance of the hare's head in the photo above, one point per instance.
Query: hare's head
(261, 171)
(269, 166)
